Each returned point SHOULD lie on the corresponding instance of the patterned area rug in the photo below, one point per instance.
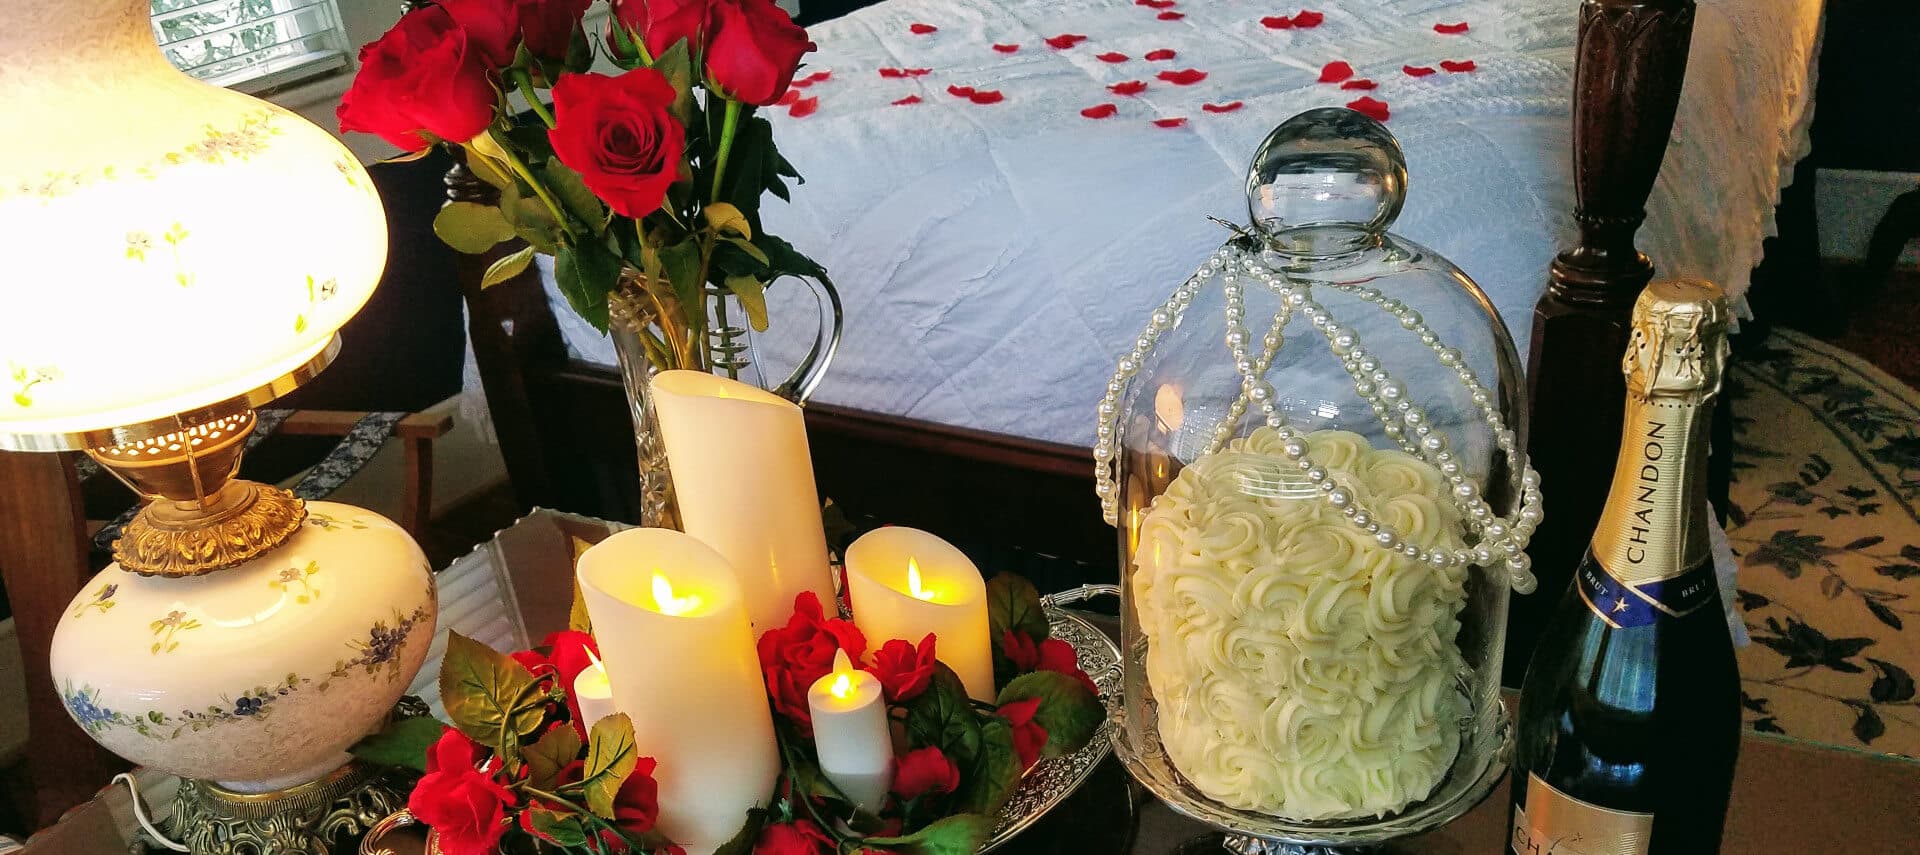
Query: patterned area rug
(1825, 487)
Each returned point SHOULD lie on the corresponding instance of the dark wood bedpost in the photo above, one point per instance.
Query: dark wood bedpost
(1631, 59)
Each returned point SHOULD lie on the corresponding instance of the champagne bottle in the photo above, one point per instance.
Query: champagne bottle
(1629, 715)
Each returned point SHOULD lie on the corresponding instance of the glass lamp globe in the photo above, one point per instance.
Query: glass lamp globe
(1313, 457)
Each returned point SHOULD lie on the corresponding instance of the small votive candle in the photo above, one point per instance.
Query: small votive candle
(850, 733)
(593, 692)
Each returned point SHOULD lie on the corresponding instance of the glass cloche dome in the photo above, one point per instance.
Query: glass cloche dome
(1314, 457)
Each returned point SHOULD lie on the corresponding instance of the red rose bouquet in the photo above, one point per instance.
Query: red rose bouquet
(647, 183)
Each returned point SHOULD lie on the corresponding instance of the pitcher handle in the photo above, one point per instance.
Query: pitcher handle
(826, 342)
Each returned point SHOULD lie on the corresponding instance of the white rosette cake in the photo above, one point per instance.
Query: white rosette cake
(1300, 669)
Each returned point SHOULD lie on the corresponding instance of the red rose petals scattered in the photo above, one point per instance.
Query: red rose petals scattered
(1112, 57)
(910, 99)
(1450, 29)
(1416, 70)
(1173, 122)
(816, 77)
(1100, 111)
(1277, 22)
(791, 96)
(893, 72)
(1305, 19)
(917, 72)
(923, 29)
(1006, 48)
(1334, 72)
(1377, 110)
(1065, 40)
(1171, 16)
(986, 96)
(1128, 87)
(1160, 55)
(1183, 77)
(960, 91)
(1360, 83)
(1155, 4)
(804, 107)
(1458, 66)
(1228, 107)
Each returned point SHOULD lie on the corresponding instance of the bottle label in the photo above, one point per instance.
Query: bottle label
(1554, 823)
(1622, 605)
(1654, 526)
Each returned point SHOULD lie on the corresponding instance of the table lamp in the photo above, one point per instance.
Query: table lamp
(178, 254)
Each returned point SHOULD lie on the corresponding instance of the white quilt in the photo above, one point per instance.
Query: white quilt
(996, 259)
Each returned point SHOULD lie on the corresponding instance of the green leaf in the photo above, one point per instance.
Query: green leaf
(724, 218)
(611, 756)
(546, 757)
(961, 834)
(575, 198)
(531, 219)
(488, 695)
(742, 843)
(681, 265)
(783, 258)
(507, 266)
(753, 297)
(995, 774)
(1013, 603)
(486, 168)
(471, 227)
(566, 829)
(586, 273)
(676, 64)
(1069, 713)
(403, 743)
(943, 716)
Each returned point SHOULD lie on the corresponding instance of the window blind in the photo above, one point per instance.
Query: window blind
(250, 45)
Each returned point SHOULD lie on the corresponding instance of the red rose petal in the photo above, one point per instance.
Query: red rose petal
(1160, 55)
(1183, 77)
(1172, 122)
(804, 107)
(1305, 19)
(1334, 72)
(1228, 107)
(1416, 70)
(923, 29)
(1112, 57)
(1370, 107)
(1450, 29)
(910, 99)
(1006, 48)
(1360, 83)
(1277, 22)
(917, 72)
(1065, 40)
(1128, 87)
(1100, 111)
(818, 76)
(960, 91)
(1458, 67)
(1155, 4)
(1171, 16)
(791, 96)
(986, 96)
(893, 72)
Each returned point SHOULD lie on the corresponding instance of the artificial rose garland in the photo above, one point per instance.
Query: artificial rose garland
(792, 657)
(467, 806)
(924, 771)
(903, 669)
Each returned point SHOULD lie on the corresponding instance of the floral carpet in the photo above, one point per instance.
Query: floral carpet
(1826, 485)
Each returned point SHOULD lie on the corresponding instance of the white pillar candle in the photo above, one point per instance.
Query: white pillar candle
(744, 480)
(905, 583)
(850, 733)
(593, 692)
(677, 647)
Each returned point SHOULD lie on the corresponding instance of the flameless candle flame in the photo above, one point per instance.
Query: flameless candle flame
(595, 659)
(913, 582)
(842, 686)
(669, 604)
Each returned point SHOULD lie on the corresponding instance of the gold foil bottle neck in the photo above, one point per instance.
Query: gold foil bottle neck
(1678, 348)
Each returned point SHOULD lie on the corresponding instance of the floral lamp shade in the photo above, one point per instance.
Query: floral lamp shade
(171, 245)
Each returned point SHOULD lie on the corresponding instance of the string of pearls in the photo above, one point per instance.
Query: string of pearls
(1501, 541)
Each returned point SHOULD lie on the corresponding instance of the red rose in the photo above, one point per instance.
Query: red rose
(903, 669)
(1057, 655)
(619, 133)
(1028, 736)
(923, 771)
(661, 24)
(467, 808)
(1019, 648)
(492, 28)
(420, 82)
(794, 656)
(799, 837)
(637, 806)
(753, 50)
(548, 25)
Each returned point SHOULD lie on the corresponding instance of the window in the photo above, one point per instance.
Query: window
(251, 45)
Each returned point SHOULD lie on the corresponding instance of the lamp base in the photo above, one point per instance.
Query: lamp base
(314, 817)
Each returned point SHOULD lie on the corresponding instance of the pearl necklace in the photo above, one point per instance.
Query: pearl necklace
(1500, 540)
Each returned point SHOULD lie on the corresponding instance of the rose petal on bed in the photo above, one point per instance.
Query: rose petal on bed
(1416, 70)
(1370, 107)
(1112, 56)
(960, 91)
(920, 29)
(1128, 87)
(1305, 19)
(1155, 4)
(804, 107)
(1228, 107)
(1277, 22)
(1334, 72)
(1458, 66)
(818, 76)
(802, 83)
(1100, 111)
(1171, 16)
(1183, 77)
(1170, 122)
(1450, 29)
(910, 99)
(1360, 83)
(1006, 48)
(893, 72)
(1065, 40)
(986, 96)
(791, 96)
(1160, 55)
(917, 72)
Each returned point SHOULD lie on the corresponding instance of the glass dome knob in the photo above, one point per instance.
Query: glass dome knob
(1326, 180)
